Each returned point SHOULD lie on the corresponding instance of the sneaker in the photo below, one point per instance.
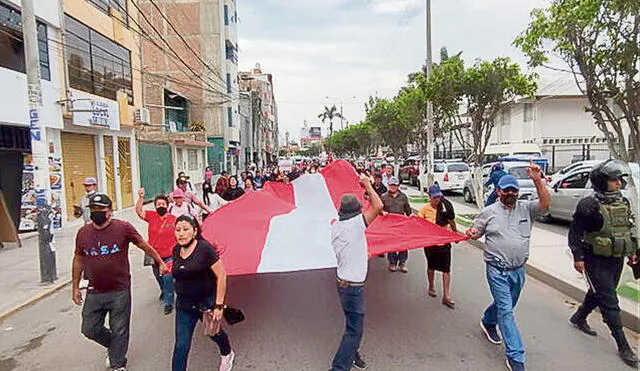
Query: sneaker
(168, 309)
(514, 365)
(403, 268)
(359, 363)
(120, 369)
(582, 325)
(491, 332)
(393, 267)
(226, 362)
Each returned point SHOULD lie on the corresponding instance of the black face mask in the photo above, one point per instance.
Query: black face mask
(509, 199)
(161, 210)
(98, 217)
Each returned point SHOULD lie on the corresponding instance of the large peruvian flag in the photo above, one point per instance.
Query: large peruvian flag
(287, 227)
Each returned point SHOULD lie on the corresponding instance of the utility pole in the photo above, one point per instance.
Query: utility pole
(39, 148)
(428, 67)
(286, 134)
(341, 118)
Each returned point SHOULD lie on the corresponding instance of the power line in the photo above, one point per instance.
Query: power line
(216, 73)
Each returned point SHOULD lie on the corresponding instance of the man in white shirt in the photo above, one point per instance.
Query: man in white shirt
(350, 245)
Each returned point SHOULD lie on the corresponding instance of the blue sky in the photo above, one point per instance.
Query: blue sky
(356, 48)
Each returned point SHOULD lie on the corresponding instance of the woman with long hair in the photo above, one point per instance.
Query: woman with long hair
(200, 286)
(234, 191)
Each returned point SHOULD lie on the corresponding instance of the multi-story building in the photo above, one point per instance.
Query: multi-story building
(190, 87)
(91, 88)
(265, 106)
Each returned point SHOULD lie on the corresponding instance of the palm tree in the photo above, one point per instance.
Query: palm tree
(330, 114)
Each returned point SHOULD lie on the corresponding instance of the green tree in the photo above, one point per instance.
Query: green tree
(600, 41)
(484, 89)
(385, 118)
(330, 114)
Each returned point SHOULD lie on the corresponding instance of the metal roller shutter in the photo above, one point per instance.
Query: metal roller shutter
(79, 162)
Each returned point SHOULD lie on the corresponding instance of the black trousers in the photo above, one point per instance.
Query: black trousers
(603, 275)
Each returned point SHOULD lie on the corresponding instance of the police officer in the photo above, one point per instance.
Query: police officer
(601, 235)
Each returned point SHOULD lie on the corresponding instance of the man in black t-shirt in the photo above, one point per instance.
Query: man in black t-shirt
(378, 186)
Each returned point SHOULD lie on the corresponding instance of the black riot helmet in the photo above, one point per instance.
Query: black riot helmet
(609, 170)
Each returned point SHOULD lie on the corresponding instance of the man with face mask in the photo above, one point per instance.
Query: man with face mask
(506, 226)
(90, 187)
(102, 250)
(600, 236)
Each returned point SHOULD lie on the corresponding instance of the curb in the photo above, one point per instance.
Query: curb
(629, 319)
(50, 291)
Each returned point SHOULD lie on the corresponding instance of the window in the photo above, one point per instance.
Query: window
(230, 116)
(575, 181)
(12, 46)
(458, 168)
(192, 158)
(231, 52)
(228, 83)
(180, 159)
(439, 168)
(119, 5)
(226, 15)
(528, 112)
(96, 64)
(177, 117)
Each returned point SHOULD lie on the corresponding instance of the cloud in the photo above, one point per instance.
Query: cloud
(346, 48)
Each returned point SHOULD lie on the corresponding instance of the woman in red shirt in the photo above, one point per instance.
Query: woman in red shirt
(162, 238)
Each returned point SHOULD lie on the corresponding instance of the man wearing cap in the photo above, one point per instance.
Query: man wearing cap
(396, 202)
(90, 186)
(350, 245)
(506, 226)
(439, 211)
(102, 251)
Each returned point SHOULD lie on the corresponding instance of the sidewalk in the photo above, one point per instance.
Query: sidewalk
(550, 260)
(20, 274)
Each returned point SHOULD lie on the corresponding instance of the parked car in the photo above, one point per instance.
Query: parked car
(569, 169)
(409, 170)
(567, 191)
(517, 169)
(450, 176)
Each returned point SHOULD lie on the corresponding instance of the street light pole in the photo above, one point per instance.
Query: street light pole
(428, 67)
(39, 148)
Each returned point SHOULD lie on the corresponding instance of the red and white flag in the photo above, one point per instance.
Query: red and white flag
(287, 227)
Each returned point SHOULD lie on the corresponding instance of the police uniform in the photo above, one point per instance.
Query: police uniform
(602, 235)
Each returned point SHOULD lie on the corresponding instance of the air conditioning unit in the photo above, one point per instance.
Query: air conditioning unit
(141, 115)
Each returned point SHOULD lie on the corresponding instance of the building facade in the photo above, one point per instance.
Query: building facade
(91, 88)
(190, 84)
(266, 112)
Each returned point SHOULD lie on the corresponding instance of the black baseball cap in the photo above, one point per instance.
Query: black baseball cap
(100, 200)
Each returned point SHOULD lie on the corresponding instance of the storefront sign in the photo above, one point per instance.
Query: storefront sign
(89, 110)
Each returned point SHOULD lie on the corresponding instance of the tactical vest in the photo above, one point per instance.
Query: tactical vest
(615, 238)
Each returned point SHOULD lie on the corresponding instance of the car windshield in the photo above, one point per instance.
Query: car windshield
(457, 168)
(519, 172)
(439, 168)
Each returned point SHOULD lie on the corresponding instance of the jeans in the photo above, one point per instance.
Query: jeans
(186, 320)
(352, 300)
(505, 288)
(398, 257)
(116, 337)
(165, 282)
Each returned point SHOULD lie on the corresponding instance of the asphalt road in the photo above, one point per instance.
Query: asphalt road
(294, 323)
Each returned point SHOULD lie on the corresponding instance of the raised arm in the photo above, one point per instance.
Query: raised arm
(543, 193)
(139, 203)
(376, 203)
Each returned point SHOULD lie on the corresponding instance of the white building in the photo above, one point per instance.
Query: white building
(554, 120)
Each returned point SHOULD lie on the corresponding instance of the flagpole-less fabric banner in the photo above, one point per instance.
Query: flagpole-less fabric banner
(287, 227)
